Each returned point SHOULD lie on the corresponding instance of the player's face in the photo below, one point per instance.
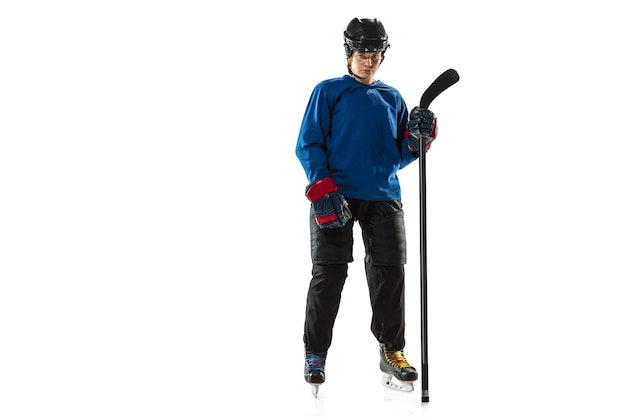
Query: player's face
(365, 65)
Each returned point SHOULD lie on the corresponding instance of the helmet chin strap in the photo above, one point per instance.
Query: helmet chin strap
(353, 74)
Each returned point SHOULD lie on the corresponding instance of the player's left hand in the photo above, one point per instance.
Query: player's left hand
(423, 122)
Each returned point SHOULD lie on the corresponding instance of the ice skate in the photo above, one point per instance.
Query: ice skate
(397, 373)
(314, 364)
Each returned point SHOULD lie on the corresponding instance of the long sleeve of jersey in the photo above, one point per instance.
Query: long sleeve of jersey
(355, 134)
(314, 131)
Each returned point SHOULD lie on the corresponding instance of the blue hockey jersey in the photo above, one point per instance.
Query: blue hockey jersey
(355, 134)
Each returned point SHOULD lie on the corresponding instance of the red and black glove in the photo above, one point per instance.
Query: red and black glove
(423, 122)
(330, 208)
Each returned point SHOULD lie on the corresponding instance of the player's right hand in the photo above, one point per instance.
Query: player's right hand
(330, 207)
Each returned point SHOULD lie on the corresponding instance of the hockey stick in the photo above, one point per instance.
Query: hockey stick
(445, 80)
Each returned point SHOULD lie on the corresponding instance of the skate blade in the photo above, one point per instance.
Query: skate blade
(392, 383)
(314, 389)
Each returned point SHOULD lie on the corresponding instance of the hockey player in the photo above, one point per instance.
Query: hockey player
(355, 136)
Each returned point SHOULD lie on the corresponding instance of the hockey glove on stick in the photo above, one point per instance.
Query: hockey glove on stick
(330, 208)
(423, 122)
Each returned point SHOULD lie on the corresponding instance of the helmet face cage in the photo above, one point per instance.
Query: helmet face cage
(365, 35)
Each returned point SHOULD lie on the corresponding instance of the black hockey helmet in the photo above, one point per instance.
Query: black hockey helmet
(365, 35)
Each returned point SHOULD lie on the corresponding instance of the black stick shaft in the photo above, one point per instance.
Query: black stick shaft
(445, 80)
(423, 270)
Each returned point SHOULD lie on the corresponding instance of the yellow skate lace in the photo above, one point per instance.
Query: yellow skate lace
(396, 359)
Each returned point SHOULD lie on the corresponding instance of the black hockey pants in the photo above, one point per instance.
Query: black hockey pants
(383, 232)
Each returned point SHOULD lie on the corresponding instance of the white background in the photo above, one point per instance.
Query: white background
(154, 252)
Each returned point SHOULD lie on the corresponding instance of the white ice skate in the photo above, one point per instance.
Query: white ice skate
(395, 384)
(398, 375)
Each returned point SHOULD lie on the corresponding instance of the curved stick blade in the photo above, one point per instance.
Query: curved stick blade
(445, 80)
